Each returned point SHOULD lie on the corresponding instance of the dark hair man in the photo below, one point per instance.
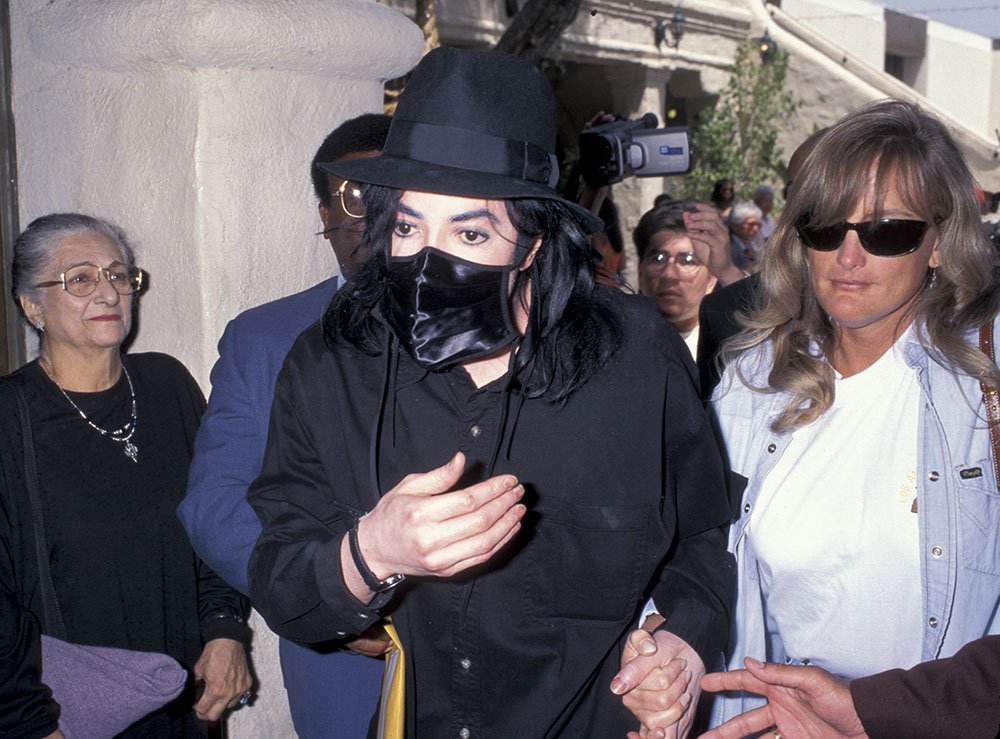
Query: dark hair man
(333, 693)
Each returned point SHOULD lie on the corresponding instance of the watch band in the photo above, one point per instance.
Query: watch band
(373, 583)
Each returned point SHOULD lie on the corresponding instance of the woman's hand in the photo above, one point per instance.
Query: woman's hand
(223, 668)
(56, 735)
(659, 682)
(419, 528)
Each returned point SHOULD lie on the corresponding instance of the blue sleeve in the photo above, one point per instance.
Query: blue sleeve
(228, 451)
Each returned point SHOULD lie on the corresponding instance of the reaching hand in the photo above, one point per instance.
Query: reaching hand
(658, 682)
(419, 528)
(802, 702)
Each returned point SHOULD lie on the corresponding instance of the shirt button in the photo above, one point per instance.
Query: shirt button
(788, 660)
(466, 663)
(464, 733)
(805, 661)
(933, 476)
(936, 552)
(475, 431)
(771, 448)
(746, 508)
(933, 622)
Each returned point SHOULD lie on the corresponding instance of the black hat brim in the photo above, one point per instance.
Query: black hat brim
(410, 174)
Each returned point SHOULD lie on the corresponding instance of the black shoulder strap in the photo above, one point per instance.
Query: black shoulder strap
(54, 625)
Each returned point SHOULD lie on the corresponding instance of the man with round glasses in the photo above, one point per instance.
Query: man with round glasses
(679, 244)
(332, 693)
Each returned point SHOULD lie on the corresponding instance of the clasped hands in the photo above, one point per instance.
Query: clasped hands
(659, 681)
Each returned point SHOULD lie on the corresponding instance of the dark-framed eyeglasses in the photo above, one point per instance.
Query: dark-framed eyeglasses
(686, 261)
(888, 237)
(82, 280)
(350, 199)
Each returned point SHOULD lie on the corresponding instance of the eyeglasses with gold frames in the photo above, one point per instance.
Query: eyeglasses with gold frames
(82, 280)
(350, 199)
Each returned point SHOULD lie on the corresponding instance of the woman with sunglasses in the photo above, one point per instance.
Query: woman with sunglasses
(112, 437)
(869, 530)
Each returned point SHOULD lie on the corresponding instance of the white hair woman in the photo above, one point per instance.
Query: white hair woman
(112, 438)
(870, 524)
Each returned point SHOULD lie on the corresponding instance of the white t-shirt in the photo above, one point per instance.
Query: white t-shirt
(836, 533)
(691, 339)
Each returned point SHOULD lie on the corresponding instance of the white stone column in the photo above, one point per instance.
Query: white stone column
(192, 124)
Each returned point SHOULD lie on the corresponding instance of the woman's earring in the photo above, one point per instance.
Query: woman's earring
(40, 325)
(933, 277)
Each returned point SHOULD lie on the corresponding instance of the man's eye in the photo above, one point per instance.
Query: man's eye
(81, 279)
(659, 257)
(687, 258)
(471, 236)
(403, 228)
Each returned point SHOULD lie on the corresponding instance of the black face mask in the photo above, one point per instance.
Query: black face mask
(445, 310)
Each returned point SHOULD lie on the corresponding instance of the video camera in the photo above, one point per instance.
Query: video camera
(613, 151)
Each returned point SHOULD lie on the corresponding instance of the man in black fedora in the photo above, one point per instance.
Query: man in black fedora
(482, 445)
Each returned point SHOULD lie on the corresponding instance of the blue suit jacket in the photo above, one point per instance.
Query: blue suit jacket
(332, 694)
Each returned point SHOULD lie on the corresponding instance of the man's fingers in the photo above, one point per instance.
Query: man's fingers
(789, 676)
(437, 480)
(733, 680)
(659, 692)
(747, 723)
(662, 720)
(461, 563)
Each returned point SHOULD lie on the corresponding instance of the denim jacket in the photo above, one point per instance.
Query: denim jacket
(957, 498)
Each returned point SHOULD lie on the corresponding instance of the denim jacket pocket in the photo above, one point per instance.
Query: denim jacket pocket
(979, 517)
(585, 562)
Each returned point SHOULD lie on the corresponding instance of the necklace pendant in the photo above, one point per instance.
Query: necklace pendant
(132, 451)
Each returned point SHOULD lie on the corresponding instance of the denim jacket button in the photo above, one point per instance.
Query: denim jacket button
(933, 622)
(746, 508)
(771, 448)
(933, 476)
(936, 552)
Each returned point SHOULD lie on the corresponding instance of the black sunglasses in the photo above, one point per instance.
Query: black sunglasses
(889, 237)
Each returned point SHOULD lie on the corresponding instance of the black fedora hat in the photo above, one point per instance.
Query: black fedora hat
(474, 124)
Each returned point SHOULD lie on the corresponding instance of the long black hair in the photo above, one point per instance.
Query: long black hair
(571, 332)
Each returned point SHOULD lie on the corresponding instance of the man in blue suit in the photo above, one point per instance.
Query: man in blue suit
(332, 692)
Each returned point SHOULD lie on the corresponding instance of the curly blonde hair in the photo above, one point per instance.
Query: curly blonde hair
(912, 151)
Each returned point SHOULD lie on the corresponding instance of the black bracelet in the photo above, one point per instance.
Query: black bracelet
(373, 583)
(218, 615)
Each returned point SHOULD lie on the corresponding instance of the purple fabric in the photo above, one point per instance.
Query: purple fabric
(102, 690)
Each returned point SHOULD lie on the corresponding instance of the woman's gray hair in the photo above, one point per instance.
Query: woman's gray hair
(35, 248)
(909, 150)
(742, 210)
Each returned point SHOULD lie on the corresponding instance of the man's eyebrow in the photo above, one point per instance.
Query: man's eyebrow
(407, 210)
(473, 214)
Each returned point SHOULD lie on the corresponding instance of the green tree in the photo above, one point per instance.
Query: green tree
(738, 139)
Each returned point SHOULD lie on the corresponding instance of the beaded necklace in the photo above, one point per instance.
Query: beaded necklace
(121, 435)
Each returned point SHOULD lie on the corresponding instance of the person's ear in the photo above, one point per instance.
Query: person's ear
(32, 310)
(531, 254)
(324, 216)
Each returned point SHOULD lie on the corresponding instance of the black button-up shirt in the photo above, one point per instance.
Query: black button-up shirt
(626, 499)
